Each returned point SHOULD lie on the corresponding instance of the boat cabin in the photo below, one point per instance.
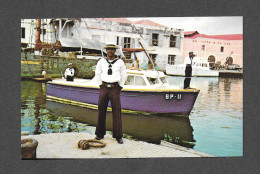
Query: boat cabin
(201, 63)
(145, 78)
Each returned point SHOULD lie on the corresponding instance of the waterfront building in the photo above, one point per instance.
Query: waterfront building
(29, 32)
(225, 49)
(77, 36)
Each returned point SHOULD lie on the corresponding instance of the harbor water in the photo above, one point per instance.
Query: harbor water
(215, 125)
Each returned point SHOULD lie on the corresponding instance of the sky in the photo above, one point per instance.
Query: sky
(204, 25)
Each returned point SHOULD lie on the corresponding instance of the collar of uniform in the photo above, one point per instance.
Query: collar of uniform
(111, 60)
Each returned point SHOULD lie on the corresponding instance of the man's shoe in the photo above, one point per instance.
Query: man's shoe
(119, 140)
(98, 138)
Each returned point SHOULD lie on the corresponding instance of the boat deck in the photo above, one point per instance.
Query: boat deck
(93, 84)
(230, 73)
(64, 145)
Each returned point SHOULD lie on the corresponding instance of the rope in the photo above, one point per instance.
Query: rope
(90, 144)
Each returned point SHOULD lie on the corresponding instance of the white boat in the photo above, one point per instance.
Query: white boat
(200, 68)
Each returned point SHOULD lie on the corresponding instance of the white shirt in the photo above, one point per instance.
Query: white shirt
(187, 60)
(44, 72)
(69, 72)
(118, 72)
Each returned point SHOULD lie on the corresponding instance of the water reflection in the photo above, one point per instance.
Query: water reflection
(149, 128)
(217, 95)
(35, 118)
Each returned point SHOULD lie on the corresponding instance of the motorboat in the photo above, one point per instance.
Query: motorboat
(146, 91)
(200, 68)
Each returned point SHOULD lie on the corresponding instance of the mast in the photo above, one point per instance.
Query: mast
(38, 43)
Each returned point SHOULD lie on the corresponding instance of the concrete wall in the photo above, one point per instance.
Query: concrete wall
(32, 66)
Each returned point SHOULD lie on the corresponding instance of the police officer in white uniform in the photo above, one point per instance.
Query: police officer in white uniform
(69, 73)
(110, 74)
(188, 70)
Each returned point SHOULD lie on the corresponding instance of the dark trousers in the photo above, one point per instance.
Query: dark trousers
(70, 78)
(112, 94)
(188, 74)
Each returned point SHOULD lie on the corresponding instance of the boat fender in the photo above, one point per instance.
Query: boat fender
(90, 144)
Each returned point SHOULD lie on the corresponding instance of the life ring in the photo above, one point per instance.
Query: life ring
(90, 144)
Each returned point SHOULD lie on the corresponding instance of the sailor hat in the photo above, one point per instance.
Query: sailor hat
(69, 64)
(111, 45)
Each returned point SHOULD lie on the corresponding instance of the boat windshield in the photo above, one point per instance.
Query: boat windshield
(153, 81)
(135, 80)
(163, 79)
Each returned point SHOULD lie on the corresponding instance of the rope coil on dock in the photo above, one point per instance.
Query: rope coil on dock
(90, 144)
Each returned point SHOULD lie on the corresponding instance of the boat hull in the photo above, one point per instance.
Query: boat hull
(177, 70)
(166, 102)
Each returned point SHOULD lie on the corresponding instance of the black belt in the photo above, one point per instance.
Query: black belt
(109, 85)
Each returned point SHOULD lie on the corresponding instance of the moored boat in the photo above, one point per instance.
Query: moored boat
(144, 91)
(200, 68)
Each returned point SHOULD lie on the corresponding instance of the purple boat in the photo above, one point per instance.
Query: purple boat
(144, 91)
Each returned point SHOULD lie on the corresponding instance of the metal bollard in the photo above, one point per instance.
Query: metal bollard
(28, 148)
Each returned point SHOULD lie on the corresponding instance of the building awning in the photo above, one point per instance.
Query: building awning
(84, 43)
(72, 44)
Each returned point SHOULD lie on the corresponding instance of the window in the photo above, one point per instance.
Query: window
(171, 59)
(135, 80)
(153, 81)
(203, 47)
(204, 65)
(23, 32)
(43, 31)
(127, 42)
(155, 39)
(172, 41)
(163, 80)
(127, 55)
(153, 56)
(221, 49)
(139, 81)
(117, 40)
(130, 80)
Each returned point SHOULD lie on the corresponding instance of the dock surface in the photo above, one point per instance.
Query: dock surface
(65, 145)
